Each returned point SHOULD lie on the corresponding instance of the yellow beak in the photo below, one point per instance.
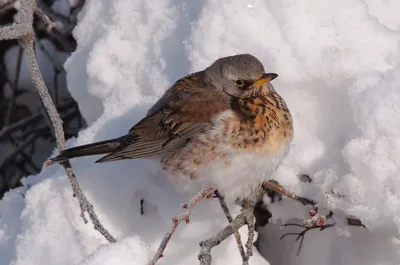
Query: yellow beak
(265, 78)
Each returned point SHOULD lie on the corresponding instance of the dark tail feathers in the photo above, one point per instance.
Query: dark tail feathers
(103, 147)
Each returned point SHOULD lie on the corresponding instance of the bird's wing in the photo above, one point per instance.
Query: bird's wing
(185, 110)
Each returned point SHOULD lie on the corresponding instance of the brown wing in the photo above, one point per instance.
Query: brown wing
(185, 110)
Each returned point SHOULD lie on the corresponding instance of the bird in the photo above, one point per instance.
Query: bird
(224, 127)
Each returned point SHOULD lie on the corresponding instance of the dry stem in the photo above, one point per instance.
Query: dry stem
(22, 30)
(206, 246)
(177, 220)
(244, 218)
(238, 239)
(351, 221)
(301, 235)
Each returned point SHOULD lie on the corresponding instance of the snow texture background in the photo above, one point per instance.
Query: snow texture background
(339, 71)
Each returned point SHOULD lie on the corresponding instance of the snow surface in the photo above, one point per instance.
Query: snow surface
(339, 71)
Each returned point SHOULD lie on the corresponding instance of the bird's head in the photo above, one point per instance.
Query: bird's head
(238, 74)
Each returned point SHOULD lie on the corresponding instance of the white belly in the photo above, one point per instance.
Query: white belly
(242, 176)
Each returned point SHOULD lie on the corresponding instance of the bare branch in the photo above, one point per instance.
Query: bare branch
(5, 2)
(6, 6)
(67, 25)
(44, 18)
(250, 237)
(301, 235)
(84, 203)
(43, 92)
(352, 221)
(246, 217)
(228, 215)
(177, 220)
(316, 221)
(22, 27)
(206, 246)
(22, 30)
(273, 185)
(13, 32)
(59, 135)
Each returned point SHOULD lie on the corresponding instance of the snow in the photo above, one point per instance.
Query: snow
(129, 250)
(339, 71)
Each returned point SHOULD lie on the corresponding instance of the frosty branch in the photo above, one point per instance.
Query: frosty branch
(188, 207)
(273, 185)
(22, 30)
(316, 220)
(246, 217)
(228, 215)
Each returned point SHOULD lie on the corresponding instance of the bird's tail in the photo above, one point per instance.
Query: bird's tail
(99, 148)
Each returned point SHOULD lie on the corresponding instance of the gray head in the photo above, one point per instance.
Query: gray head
(235, 74)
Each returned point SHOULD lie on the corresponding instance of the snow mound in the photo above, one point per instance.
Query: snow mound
(127, 251)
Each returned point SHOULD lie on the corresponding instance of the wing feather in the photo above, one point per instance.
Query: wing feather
(184, 111)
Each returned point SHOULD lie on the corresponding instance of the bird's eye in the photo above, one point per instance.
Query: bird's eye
(239, 83)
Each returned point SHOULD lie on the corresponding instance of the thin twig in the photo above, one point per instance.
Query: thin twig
(246, 217)
(56, 121)
(42, 15)
(67, 25)
(5, 6)
(228, 215)
(177, 220)
(273, 185)
(22, 30)
(206, 246)
(300, 235)
(352, 221)
(85, 205)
